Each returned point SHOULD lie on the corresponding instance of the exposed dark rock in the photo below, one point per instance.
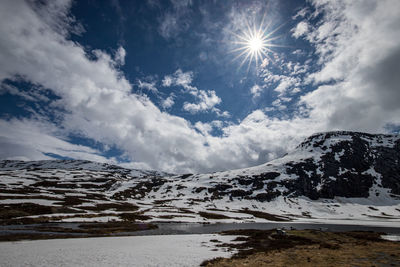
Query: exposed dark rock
(345, 174)
(240, 193)
(141, 189)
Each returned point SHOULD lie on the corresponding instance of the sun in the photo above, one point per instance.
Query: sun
(253, 43)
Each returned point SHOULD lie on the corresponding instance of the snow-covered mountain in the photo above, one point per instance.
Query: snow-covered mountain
(333, 175)
(75, 165)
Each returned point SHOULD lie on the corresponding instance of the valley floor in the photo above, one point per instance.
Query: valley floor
(229, 248)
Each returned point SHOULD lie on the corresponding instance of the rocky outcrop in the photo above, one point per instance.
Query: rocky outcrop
(325, 165)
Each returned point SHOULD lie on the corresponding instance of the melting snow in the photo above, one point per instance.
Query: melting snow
(165, 250)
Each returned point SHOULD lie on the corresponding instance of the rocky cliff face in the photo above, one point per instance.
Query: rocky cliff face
(349, 165)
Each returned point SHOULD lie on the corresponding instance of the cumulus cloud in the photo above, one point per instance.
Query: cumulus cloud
(179, 78)
(286, 82)
(204, 128)
(358, 48)
(97, 98)
(223, 114)
(168, 102)
(206, 101)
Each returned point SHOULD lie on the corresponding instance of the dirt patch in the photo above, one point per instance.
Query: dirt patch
(166, 217)
(71, 201)
(26, 198)
(20, 191)
(10, 211)
(216, 216)
(51, 231)
(117, 206)
(132, 217)
(185, 210)
(265, 215)
(35, 236)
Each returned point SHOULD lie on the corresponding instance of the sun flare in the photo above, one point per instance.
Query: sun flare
(254, 43)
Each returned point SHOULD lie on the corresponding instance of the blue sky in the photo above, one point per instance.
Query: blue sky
(165, 85)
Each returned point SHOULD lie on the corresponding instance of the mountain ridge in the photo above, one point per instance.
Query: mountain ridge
(329, 175)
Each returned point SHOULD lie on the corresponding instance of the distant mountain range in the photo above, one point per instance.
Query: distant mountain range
(332, 175)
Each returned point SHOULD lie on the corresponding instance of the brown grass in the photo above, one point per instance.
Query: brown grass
(311, 248)
(10, 211)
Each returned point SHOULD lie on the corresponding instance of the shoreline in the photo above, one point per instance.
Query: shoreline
(112, 229)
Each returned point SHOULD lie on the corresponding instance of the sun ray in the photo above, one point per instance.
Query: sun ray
(254, 42)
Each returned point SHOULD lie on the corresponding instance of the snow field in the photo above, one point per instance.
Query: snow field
(163, 250)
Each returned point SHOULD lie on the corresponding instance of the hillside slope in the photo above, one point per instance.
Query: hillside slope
(333, 175)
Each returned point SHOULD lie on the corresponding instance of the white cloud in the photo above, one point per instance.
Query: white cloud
(223, 114)
(168, 102)
(286, 83)
(301, 29)
(206, 101)
(97, 98)
(120, 55)
(184, 79)
(359, 57)
(34, 95)
(204, 128)
(167, 81)
(55, 14)
(150, 86)
(301, 13)
(256, 90)
(295, 90)
(179, 78)
(298, 52)
(359, 53)
(28, 140)
(278, 104)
